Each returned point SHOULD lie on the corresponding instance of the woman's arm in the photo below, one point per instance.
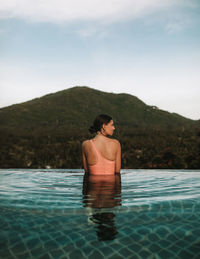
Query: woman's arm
(85, 165)
(118, 158)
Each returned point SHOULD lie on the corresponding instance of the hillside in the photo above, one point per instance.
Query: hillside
(76, 107)
(48, 131)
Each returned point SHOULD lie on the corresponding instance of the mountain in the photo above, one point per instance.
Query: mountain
(77, 107)
(47, 132)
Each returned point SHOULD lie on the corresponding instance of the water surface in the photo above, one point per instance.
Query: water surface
(64, 214)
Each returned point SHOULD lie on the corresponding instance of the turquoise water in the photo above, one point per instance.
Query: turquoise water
(64, 214)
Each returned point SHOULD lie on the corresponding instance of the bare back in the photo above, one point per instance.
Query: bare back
(108, 148)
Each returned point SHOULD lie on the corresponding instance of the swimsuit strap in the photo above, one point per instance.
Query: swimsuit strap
(98, 152)
(103, 165)
(93, 144)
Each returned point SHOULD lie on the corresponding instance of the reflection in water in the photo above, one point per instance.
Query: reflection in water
(102, 192)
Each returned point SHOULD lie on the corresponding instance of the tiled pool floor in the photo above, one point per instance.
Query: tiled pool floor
(61, 214)
(105, 234)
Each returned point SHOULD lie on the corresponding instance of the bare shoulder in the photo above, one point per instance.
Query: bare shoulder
(116, 142)
(85, 143)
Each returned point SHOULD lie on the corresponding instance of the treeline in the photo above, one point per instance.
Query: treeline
(141, 148)
(161, 149)
(47, 132)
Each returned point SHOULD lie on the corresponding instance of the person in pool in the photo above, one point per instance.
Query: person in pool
(102, 155)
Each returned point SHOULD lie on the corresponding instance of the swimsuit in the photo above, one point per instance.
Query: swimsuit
(103, 165)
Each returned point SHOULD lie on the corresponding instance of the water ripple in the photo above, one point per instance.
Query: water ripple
(63, 189)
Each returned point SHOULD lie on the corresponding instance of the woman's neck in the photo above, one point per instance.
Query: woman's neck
(101, 135)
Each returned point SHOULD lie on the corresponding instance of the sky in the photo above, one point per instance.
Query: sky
(147, 48)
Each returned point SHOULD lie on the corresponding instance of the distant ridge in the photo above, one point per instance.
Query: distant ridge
(77, 107)
(47, 132)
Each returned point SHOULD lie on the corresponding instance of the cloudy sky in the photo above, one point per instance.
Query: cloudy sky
(147, 48)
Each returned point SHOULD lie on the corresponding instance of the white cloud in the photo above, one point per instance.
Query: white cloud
(57, 11)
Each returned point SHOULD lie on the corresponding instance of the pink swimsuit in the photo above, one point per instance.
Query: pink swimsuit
(103, 165)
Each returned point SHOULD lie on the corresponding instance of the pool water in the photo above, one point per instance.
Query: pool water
(66, 214)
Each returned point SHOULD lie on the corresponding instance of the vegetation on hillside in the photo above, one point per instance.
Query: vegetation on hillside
(47, 132)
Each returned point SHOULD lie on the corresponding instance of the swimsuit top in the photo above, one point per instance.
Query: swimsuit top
(103, 166)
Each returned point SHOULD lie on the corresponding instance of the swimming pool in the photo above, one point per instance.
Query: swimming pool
(64, 214)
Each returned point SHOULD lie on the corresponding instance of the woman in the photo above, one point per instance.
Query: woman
(102, 155)
(101, 193)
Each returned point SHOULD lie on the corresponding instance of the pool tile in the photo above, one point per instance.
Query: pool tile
(45, 256)
(164, 229)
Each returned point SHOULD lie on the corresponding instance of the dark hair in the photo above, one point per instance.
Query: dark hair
(98, 122)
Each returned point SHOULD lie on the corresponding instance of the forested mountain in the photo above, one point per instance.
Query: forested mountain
(48, 131)
(77, 107)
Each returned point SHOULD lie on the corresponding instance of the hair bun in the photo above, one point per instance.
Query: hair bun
(92, 130)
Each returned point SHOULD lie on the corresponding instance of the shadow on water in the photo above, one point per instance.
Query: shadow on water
(99, 193)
